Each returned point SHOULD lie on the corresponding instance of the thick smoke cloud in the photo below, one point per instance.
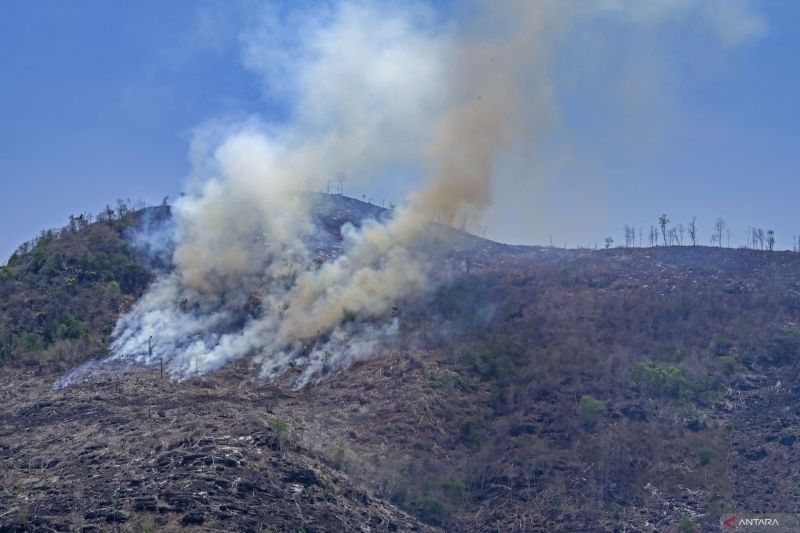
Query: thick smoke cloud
(368, 88)
(248, 279)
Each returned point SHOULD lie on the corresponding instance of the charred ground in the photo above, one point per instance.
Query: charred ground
(537, 389)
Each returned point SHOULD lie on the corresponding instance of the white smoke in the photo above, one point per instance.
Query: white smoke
(248, 279)
(370, 87)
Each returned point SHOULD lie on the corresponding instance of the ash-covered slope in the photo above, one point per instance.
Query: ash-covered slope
(139, 454)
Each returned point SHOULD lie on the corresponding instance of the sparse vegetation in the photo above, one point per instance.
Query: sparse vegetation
(755, 238)
(545, 367)
(591, 408)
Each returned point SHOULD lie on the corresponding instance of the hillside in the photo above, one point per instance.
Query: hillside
(538, 389)
(61, 292)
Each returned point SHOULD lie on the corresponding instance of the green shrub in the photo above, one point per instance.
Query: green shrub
(694, 424)
(338, 457)
(432, 510)
(281, 429)
(470, 432)
(5, 350)
(113, 289)
(436, 382)
(705, 457)
(29, 343)
(590, 407)
(728, 365)
(148, 525)
(453, 488)
(492, 366)
(662, 381)
(783, 348)
(65, 327)
(721, 347)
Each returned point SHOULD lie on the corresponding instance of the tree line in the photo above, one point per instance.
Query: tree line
(123, 211)
(665, 233)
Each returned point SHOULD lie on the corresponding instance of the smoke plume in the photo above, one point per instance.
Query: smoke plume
(368, 88)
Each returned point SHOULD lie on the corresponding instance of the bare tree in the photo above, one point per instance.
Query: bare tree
(719, 228)
(681, 233)
(693, 231)
(123, 207)
(339, 180)
(630, 236)
(761, 236)
(663, 221)
(673, 236)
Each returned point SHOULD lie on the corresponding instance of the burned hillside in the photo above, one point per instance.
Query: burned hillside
(533, 389)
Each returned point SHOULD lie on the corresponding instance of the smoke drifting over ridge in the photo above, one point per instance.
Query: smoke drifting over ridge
(371, 88)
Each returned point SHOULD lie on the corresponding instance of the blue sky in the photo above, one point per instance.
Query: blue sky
(98, 101)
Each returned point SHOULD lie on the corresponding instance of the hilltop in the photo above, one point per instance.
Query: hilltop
(62, 292)
(538, 389)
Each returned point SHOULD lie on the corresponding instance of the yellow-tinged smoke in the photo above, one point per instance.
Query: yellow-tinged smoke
(374, 272)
